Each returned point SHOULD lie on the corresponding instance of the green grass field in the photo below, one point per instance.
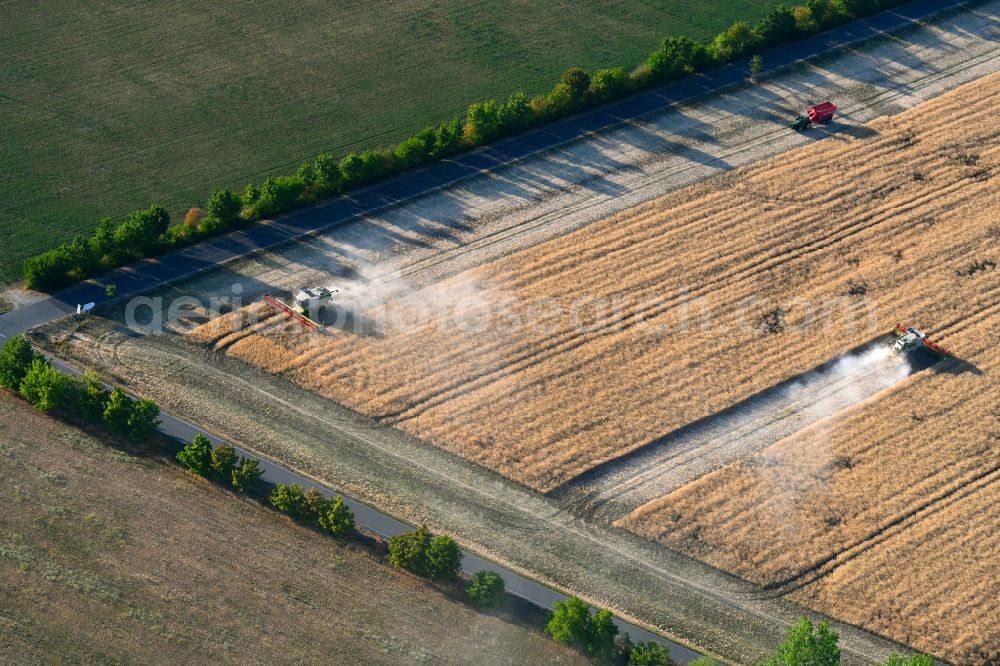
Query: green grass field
(107, 106)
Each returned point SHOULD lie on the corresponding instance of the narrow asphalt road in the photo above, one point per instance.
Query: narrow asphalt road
(186, 262)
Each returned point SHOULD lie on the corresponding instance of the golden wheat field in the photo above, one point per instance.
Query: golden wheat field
(620, 332)
(884, 516)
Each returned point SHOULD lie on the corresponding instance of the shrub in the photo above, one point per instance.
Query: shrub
(197, 456)
(826, 13)
(135, 419)
(577, 83)
(117, 410)
(572, 623)
(288, 499)
(102, 243)
(444, 557)
(409, 550)
(43, 386)
(609, 83)
(192, 217)
(16, 357)
(47, 271)
(486, 588)
(247, 475)
(224, 205)
(336, 518)
(650, 653)
(223, 461)
(307, 174)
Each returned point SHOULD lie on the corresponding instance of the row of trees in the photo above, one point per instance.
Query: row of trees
(148, 232)
(30, 374)
(221, 464)
(313, 508)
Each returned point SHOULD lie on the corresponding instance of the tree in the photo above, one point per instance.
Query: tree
(733, 42)
(143, 420)
(197, 456)
(247, 475)
(777, 26)
(91, 397)
(514, 114)
(826, 13)
(912, 660)
(481, 121)
(409, 550)
(572, 623)
(336, 518)
(603, 631)
(43, 386)
(486, 588)
(444, 557)
(313, 504)
(288, 499)
(327, 171)
(224, 205)
(139, 235)
(448, 138)
(278, 194)
(102, 243)
(650, 653)
(251, 193)
(16, 357)
(352, 169)
(307, 174)
(117, 410)
(223, 461)
(676, 57)
(808, 647)
(609, 83)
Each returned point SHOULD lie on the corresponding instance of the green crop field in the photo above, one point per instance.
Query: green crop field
(107, 106)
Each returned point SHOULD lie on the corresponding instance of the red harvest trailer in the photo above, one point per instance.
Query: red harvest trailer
(817, 113)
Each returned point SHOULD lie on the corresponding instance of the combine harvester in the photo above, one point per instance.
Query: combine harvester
(907, 339)
(817, 113)
(307, 301)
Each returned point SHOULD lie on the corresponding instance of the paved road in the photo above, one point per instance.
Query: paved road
(189, 261)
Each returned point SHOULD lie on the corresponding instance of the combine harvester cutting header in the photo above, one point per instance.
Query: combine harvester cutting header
(907, 338)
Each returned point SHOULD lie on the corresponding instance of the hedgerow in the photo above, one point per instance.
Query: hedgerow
(148, 232)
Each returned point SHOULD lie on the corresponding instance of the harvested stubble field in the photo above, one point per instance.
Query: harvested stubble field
(110, 557)
(108, 106)
(882, 223)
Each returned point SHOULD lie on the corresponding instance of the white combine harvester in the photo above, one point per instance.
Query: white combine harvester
(306, 302)
(907, 338)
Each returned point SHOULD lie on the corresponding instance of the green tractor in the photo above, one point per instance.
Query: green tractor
(801, 123)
